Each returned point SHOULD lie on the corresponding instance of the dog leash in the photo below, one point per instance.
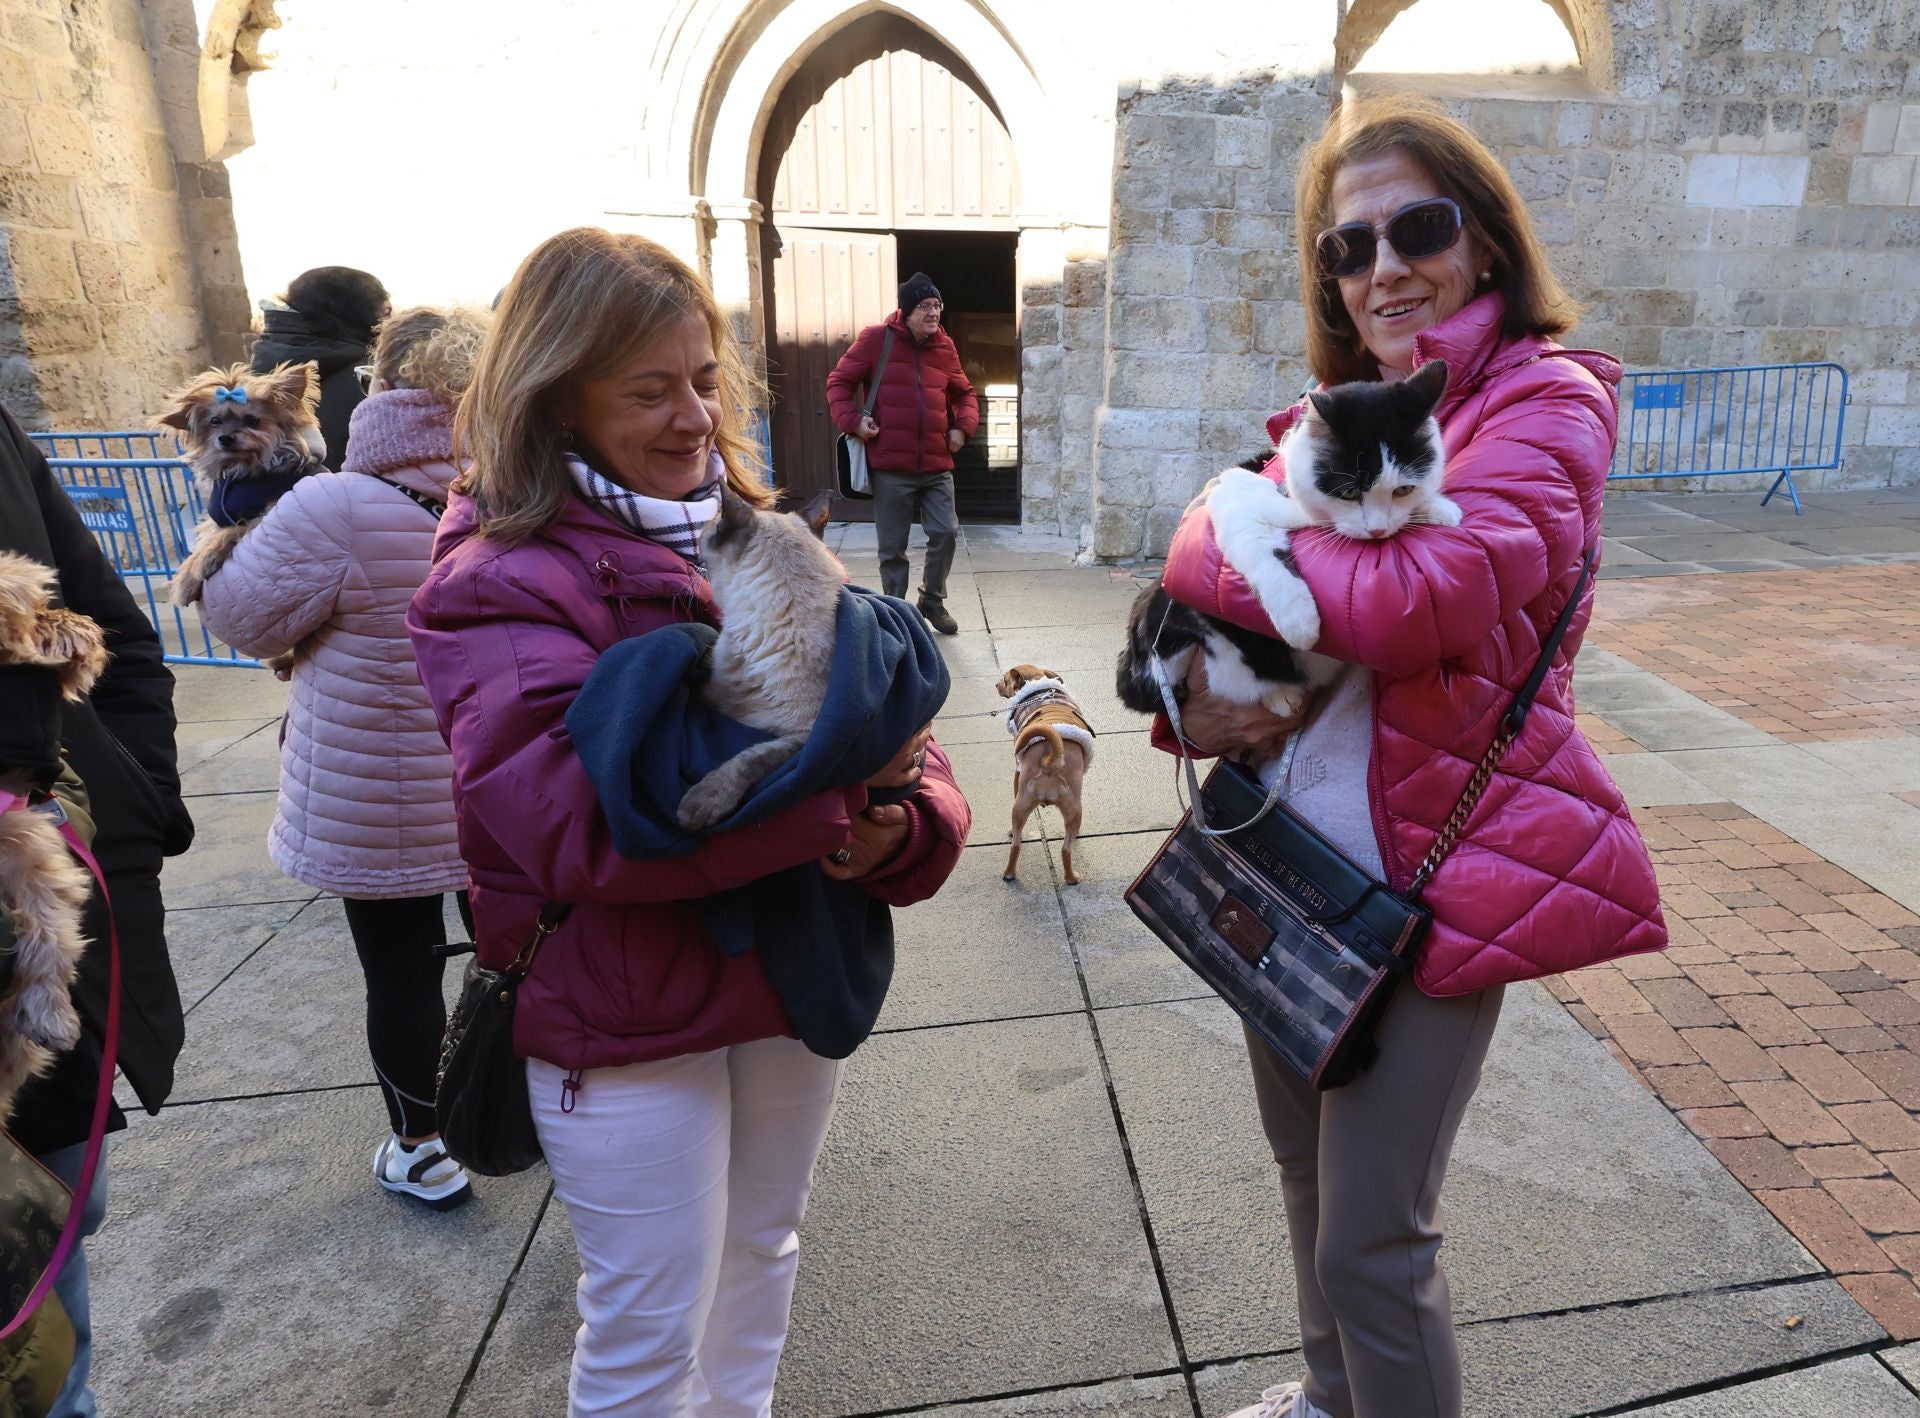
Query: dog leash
(109, 1060)
(1164, 681)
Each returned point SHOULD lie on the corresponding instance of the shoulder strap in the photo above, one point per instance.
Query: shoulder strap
(873, 389)
(1523, 701)
(1510, 725)
(433, 505)
(103, 1097)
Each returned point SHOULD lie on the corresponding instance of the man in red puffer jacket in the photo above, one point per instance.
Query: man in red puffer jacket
(925, 411)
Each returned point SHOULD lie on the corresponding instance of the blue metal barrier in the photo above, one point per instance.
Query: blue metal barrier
(1704, 423)
(139, 501)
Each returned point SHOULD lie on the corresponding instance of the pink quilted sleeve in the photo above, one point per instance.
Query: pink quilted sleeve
(1433, 593)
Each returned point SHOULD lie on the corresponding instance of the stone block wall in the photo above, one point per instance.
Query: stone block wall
(1204, 322)
(1750, 198)
(1062, 279)
(100, 306)
(1740, 188)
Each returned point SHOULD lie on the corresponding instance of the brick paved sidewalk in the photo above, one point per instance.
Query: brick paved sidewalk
(1783, 1028)
(1807, 656)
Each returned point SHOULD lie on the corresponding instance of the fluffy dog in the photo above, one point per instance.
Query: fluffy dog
(249, 438)
(1052, 747)
(42, 888)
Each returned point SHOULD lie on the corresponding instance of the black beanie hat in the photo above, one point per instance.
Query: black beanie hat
(916, 289)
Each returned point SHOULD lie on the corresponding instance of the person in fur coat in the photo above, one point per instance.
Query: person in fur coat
(118, 741)
(365, 809)
(43, 889)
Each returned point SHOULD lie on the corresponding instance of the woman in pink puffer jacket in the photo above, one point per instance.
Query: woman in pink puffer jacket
(1416, 247)
(366, 783)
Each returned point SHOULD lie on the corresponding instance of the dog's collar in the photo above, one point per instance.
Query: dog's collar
(1046, 685)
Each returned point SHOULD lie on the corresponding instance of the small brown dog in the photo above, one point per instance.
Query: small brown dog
(249, 437)
(1052, 747)
(43, 889)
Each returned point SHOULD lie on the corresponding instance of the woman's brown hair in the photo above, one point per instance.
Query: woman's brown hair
(1461, 168)
(582, 305)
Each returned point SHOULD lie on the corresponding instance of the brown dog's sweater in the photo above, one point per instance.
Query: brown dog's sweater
(1044, 703)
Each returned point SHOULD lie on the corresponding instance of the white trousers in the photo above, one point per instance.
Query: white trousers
(685, 1181)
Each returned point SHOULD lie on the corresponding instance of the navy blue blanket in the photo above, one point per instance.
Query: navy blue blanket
(644, 737)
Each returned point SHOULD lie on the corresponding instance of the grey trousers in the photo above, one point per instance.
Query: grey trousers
(897, 499)
(1360, 1171)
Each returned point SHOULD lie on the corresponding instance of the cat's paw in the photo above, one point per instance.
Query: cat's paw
(1249, 504)
(1284, 701)
(707, 802)
(1442, 512)
(1290, 606)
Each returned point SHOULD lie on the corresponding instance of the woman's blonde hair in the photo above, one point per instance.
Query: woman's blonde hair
(430, 348)
(582, 305)
(1463, 169)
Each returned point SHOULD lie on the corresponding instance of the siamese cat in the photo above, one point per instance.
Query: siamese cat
(778, 589)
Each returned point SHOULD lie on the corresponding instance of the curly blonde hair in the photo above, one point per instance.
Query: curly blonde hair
(431, 348)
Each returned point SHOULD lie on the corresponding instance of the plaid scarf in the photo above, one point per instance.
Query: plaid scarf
(675, 525)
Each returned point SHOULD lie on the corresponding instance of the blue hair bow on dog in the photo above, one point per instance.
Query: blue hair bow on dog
(235, 395)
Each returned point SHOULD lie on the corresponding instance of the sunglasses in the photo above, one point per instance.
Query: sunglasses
(1417, 231)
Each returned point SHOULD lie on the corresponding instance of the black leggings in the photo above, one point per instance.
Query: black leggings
(395, 938)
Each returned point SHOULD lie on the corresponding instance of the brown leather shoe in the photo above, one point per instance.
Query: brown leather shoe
(935, 614)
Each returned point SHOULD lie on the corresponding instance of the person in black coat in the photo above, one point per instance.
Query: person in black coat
(121, 743)
(329, 316)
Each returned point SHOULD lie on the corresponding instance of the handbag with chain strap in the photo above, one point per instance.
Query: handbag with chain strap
(480, 1104)
(1304, 943)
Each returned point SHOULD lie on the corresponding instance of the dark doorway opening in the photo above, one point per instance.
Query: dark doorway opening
(884, 154)
(974, 270)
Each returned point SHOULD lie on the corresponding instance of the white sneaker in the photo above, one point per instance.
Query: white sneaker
(426, 1173)
(1282, 1401)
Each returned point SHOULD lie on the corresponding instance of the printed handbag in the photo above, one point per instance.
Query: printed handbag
(1303, 942)
(851, 477)
(480, 1102)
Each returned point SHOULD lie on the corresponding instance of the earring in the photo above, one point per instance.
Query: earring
(1485, 276)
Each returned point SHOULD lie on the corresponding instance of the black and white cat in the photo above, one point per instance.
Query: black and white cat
(1365, 460)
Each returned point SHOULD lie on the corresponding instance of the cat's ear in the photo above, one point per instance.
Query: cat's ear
(1320, 406)
(1426, 385)
(818, 512)
(736, 513)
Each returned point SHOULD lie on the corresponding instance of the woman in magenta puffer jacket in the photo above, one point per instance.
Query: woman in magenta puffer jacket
(366, 793)
(1439, 627)
(678, 1114)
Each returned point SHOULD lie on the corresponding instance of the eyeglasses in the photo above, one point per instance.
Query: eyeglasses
(1417, 231)
(364, 373)
(929, 307)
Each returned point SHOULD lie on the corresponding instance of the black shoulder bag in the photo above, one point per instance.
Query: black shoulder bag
(480, 1103)
(851, 475)
(1303, 942)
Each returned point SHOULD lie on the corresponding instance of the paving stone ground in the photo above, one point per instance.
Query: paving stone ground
(1688, 1185)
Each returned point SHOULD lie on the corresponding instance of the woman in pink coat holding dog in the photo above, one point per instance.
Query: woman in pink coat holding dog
(1416, 247)
(366, 783)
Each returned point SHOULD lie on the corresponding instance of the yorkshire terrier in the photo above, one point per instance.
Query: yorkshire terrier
(43, 890)
(249, 438)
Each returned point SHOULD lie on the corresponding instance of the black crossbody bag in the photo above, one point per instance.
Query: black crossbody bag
(480, 1104)
(1303, 942)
